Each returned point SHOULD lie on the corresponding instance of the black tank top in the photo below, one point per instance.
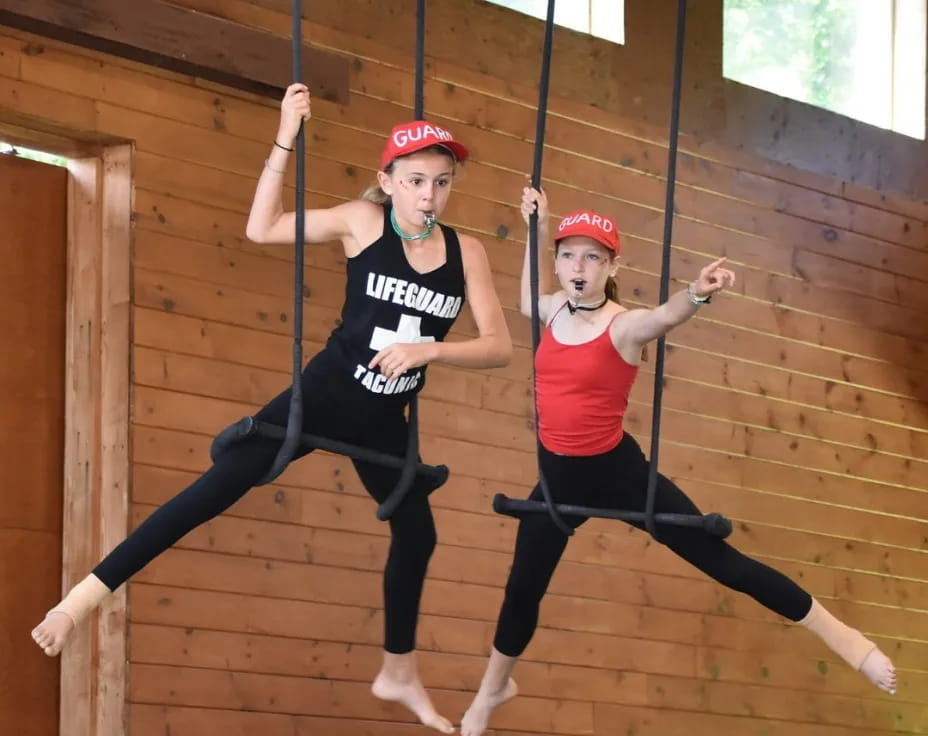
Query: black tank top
(388, 301)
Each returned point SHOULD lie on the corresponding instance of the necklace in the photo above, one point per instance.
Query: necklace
(571, 307)
(429, 226)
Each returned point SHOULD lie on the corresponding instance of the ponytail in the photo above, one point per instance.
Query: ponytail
(612, 290)
(375, 194)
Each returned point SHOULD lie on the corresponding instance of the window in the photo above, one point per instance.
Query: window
(9, 149)
(600, 18)
(861, 58)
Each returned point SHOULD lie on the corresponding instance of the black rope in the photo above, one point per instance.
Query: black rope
(295, 418)
(392, 502)
(650, 522)
(542, 115)
(420, 59)
(410, 464)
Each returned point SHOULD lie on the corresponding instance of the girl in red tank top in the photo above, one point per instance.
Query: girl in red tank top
(585, 366)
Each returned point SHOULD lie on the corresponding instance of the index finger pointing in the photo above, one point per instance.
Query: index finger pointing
(375, 361)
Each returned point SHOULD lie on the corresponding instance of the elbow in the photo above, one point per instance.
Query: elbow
(503, 353)
(254, 233)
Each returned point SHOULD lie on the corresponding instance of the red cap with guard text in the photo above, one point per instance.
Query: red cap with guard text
(411, 137)
(584, 222)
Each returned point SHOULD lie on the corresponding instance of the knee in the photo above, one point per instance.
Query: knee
(414, 545)
(523, 593)
(732, 569)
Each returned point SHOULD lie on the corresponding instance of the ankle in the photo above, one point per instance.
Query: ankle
(492, 686)
(82, 599)
(400, 667)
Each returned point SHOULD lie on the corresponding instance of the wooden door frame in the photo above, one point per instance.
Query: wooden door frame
(97, 474)
(94, 666)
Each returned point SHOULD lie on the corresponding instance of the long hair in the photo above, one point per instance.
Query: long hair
(374, 193)
(612, 290)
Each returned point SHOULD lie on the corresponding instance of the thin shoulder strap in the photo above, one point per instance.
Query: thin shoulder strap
(453, 256)
(556, 313)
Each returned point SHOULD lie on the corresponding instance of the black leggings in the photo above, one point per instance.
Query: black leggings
(332, 408)
(618, 479)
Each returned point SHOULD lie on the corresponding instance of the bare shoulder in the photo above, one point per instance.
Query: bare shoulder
(622, 328)
(473, 254)
(548, 304)
(625, 319)
(361, 208)
(363, 224)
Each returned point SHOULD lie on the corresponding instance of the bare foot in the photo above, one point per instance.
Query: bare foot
(411, 694)
(475, 720)
(52, 634)
(880, 671)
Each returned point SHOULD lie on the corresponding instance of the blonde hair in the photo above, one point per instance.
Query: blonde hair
(375, 193)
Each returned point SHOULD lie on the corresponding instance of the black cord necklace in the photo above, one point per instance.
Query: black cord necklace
(572, 308)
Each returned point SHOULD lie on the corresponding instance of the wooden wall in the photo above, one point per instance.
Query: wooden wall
(798, 405)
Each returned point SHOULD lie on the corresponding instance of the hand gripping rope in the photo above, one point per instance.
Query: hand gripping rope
(292, 436)
(714, 524)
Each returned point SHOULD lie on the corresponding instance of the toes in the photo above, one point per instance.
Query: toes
(441, 724)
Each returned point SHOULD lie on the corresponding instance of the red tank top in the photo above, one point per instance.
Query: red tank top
(582, 394)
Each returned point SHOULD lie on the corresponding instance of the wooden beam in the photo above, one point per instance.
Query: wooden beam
(181, 40)
(96, 451)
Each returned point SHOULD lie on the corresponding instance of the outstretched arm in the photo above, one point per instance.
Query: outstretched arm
(640, 326)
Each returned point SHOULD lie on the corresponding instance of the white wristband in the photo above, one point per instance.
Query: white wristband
(694, 297)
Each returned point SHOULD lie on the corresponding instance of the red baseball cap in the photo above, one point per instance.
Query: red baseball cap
(411, 137)
(583, 222)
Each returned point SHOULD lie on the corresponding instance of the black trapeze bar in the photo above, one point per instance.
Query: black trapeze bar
(292, 435)
(714, 524)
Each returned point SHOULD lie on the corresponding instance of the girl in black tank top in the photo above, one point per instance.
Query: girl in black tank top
(406, 284)
(388, 301)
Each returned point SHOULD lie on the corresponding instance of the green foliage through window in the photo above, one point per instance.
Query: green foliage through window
(861, 58)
